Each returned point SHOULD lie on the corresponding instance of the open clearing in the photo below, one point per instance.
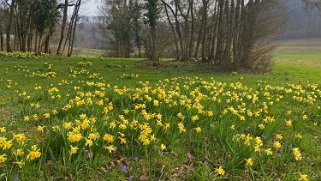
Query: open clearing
(116, 119)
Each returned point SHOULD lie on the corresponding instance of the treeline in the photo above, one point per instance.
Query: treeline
(304, 20)
(30, 25)
(234, 34)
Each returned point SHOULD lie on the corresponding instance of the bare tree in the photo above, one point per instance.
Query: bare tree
(224, 29)
(63, 25)
(10, 22)
(121, 25)
(3, 13)
(72, 28)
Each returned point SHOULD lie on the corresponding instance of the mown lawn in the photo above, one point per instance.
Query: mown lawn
(117, 119)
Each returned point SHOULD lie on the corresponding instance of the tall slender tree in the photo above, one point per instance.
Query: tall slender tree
(10, 22)
(63, 25)
(152, 15)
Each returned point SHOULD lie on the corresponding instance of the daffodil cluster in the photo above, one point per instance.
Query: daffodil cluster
(84, 113)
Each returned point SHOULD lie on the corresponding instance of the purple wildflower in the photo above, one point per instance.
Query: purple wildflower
(124, 168)
(131, 177)
(16, 178)
(88, 153)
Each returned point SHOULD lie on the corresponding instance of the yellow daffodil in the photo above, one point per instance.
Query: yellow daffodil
(249, 162)
(109, 138)
(3, 129)
(304, 177)
(74, 137)
(3, 158)
(46, 115)
(198, 129)
(277, 145)
(110, 148)
(220, 171)
(73, 150)
(40, 128)
(163, 147)
(34, 153)
(297, 154)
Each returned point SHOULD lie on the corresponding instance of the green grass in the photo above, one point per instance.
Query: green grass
(188, 155)
(83, 52)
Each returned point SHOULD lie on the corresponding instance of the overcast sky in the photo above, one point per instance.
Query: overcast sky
(90, 8)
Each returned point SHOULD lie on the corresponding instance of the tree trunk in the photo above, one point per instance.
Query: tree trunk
(204, 27)
(9, 49)
(47, 44)
(39, 46)
(191, 44)
(221, 36)
(36, 43)
(63, 27)
(154, 44)
(174, 33)
(73, 27)
(29, 41)
(1, 39)
(213, 43)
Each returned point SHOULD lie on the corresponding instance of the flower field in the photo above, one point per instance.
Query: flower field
(103, 120)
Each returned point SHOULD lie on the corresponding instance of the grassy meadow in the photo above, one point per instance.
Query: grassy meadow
(92, 118)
